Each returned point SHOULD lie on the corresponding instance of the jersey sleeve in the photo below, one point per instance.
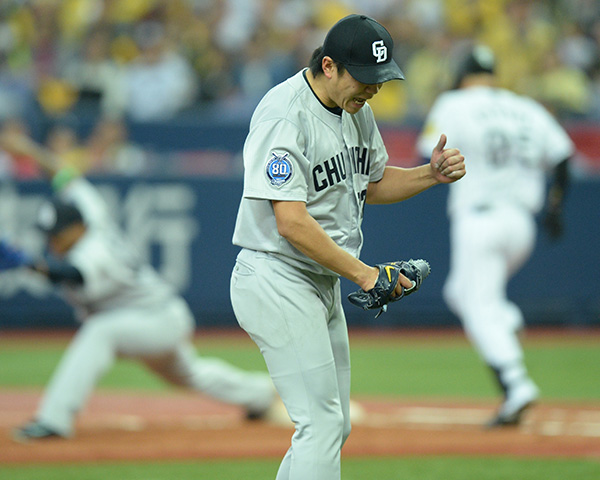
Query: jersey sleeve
(88, 200)
(274, 163)
(558, 144)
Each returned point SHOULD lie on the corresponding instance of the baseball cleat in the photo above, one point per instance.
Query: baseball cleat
(33, 431)
(518, 400)
(275, 414)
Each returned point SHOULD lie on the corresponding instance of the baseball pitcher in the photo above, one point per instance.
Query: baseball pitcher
(312, 159)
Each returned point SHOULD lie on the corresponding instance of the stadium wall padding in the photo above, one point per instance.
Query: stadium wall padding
(183, 226)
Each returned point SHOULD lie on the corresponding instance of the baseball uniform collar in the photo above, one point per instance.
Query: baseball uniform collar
(335, 110)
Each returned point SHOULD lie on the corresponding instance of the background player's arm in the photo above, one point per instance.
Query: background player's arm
(57, 271)
(559, 184)
(553, 218)
(62, 178)
(296, 225)
(23, 145)
(398, 184)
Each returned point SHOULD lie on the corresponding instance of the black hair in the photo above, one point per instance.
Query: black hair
(56, 215)
(316, 63)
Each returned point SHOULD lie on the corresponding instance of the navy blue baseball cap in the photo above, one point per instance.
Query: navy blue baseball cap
(365, 48)
(56, 215)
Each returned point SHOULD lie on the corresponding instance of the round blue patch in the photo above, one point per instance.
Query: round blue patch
(279, 169)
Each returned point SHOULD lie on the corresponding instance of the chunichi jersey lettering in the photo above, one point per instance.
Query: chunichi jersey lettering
(508, 141)
(298, 150)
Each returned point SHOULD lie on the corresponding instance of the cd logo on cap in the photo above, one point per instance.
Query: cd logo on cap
(379, 51)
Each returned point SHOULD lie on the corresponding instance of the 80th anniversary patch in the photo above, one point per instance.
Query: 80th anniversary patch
(279, 169)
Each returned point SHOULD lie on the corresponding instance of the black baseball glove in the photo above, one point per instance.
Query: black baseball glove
(384, 290)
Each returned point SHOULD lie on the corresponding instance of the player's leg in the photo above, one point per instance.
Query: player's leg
(520, 391)
(476, 286)
(178, 362)
(481, 265)
(517, 250)
(283, 311)
(89, 355)
(103, 337)
(253, 391)
(338, 334)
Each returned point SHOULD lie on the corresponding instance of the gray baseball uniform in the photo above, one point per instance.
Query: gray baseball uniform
(127, 310)
(298, 150)
(312, 157)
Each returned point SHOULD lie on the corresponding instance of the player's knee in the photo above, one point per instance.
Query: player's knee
(333, 430)
(335, 419)
(327, 423)
(93, 331)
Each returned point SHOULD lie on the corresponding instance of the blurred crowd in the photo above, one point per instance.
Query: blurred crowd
(122, 61)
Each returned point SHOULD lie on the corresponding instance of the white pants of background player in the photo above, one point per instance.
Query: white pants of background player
(296, 319)
(487, 247)
(160, 338)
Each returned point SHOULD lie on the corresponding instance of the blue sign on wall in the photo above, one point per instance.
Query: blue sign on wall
(183, 226)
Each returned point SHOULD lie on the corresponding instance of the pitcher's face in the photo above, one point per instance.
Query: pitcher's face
(350, 94)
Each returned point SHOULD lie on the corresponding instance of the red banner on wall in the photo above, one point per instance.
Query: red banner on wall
(401, 146)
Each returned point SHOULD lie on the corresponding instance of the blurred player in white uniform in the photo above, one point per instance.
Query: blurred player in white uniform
(510, 143)
(125, 308)
(313, 157)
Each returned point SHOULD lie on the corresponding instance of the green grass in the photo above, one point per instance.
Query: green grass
(27, 363)
(454, 370)
(567, 369)
(396, 366)
(420, 468)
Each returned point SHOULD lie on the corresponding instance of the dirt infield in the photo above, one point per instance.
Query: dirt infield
(118, 426)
